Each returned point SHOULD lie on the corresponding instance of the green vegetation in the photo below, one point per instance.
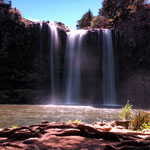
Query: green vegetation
(110, 12)
(99, 21)
(141, 120)
(86, 20)
(146, 125)
(114, 8)
(126, 112)
(14, 127)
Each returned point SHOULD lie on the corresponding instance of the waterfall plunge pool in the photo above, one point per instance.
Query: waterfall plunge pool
(25, 115)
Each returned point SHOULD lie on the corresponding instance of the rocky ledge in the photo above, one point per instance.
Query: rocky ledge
(50, 136)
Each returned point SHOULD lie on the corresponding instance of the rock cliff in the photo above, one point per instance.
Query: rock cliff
(133, 55)
(16, 53)
(24, 79)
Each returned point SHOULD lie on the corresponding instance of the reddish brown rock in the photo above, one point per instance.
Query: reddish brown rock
(70, 137)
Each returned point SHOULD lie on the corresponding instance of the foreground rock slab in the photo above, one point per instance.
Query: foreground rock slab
(71, 136)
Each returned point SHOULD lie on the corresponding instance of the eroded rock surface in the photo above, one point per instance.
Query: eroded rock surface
(71, 136)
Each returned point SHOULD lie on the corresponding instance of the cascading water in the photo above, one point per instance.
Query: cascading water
(73, 50)
(109, 89)
(54, 44)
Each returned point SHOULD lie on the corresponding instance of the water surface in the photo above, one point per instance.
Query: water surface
(24, 115)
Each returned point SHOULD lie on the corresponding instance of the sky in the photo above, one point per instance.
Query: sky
(147, 1)
(65, 11)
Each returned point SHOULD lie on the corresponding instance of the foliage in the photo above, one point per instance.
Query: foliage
(99, 21)
(14, 127)
(86, 20)
(100, 12)
(11, 10)
(110, 12)
(126, 112)
(138, 2)
(114, 9)
(140, 120)
(75, 121)
(146, 125)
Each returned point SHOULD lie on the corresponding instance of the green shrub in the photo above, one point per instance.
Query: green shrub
(126, 112)
(141, 120)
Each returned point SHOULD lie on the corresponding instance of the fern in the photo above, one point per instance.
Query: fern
(126, 112)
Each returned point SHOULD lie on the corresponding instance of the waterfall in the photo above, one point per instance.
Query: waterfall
(74, 62)
(73, 49)
(54, 44)
(109, 89)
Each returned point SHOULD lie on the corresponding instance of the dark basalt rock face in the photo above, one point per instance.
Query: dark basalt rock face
(133, 56)
(15, 50)
(21, 74)
(16, 53)
(131, 20)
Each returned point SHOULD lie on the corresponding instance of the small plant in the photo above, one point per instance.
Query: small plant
(126, 112)
(14, 127)
(146, 126)
(141, 120)
(75, 121)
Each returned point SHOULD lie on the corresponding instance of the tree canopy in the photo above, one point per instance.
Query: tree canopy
(86, 20)
(111, 10)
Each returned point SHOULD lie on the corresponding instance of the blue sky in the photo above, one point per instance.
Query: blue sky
(66, 11)
(148, 1)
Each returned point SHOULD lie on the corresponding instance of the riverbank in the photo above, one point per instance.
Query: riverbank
(74, 136)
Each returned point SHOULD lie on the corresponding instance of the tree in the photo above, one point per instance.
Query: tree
(116, 8)
(86, 20)
(99, 22)
(101, 13)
